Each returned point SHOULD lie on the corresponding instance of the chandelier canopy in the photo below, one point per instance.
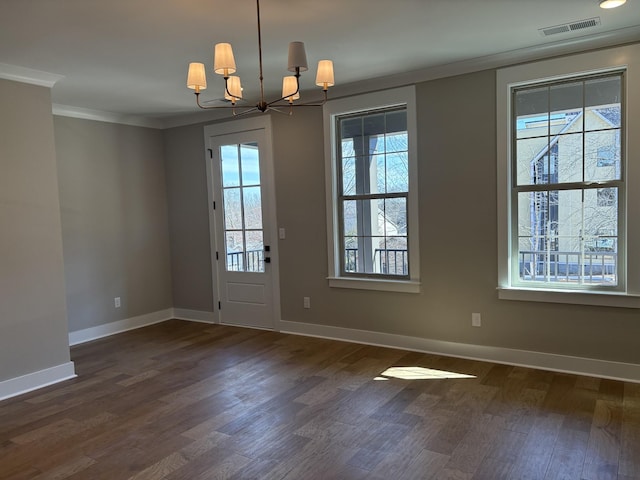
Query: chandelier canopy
(224, 64)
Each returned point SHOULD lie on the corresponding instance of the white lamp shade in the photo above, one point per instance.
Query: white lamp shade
(196, 78)
(297, 57)
(234, 88)
(324, 77)
(611, 3)
(289, 86)
(223, 61)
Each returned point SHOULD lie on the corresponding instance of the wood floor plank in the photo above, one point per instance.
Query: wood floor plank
(602, 459)
(181, 400)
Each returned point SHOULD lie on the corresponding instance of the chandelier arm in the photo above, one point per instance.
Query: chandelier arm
(211, 107)
(246, 112)
(308, 104)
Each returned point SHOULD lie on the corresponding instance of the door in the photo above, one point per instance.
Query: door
(242, 248)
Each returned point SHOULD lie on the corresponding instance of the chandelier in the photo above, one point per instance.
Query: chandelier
(224, 64)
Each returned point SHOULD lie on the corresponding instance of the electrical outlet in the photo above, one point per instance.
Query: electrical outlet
(476, 320)
(116, 302)
(281, 233)
(307, 302)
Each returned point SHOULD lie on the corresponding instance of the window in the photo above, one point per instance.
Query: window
(563, 197)
(568, 193)
(371, 184)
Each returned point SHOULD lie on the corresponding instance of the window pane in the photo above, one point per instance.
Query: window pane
(351, 254)
(351, 131)
(347, 149)
(348, 176)
(395, 213)
(350, 218)
(254, 255)
(379, 171)
(530, 166)
(234, 250)
(602, 156)
(380, 223)
(232, 209)
(374, 126)
(397, 142)
(532, 112)
(396, 127)
(602, 101)
(230, 168)
(395, 259)
(566, 102)
(250, 164)
(567, 156)
(252, 207)
(601, 212)
(397, 174)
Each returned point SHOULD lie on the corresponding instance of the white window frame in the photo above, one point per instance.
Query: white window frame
(404, 96)
(614, 59)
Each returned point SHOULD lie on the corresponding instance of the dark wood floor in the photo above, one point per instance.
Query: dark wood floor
(184, 400)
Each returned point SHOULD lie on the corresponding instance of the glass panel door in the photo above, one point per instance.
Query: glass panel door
(242, 207)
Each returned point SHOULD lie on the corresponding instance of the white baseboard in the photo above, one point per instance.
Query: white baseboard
(545, 361)
(107, 329)
(35, 380)
(194, 315)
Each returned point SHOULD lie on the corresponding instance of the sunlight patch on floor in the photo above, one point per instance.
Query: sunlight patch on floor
(419, 373)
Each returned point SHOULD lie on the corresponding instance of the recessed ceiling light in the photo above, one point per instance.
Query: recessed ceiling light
(611, 3)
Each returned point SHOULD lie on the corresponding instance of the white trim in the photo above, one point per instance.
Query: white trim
(575, 297)
(627, 372)
(100, 116)
(28, 75)
(362, 103)
(194, 315)
(119, 326)
(35, 380)
(375, 284)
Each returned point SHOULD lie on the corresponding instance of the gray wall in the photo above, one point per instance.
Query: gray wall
(185, 165)
(458, 240)
(114, 220)
(33, 315)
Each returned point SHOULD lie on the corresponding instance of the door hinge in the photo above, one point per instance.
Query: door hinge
(219, 307)
(210, 152)
(216, 255)
(214, 205)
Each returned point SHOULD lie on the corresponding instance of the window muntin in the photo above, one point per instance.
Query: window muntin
(372, 162)
(567, 183)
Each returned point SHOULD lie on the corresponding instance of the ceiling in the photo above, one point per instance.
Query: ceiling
(130, 57)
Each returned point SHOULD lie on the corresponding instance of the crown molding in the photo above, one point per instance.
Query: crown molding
(100, 116)
(28, 75)
(568, 46)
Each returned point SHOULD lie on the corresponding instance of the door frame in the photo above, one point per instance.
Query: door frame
(262, 122)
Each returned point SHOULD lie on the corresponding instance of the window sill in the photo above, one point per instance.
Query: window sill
(613, 299)
(403, 286)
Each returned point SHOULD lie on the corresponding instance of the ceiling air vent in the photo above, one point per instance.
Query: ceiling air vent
(570, 27)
